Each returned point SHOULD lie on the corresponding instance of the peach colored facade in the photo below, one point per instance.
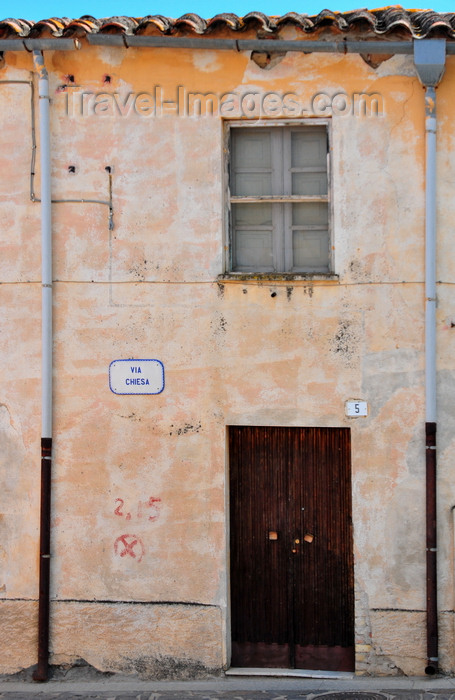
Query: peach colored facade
(140, 517)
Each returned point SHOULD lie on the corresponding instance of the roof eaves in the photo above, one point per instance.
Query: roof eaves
(390, 20)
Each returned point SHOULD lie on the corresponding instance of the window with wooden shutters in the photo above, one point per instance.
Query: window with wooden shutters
(279, 197)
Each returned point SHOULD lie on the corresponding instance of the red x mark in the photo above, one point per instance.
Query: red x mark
(130, 545)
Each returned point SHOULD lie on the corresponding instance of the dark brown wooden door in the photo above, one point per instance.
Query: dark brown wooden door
(292, 600)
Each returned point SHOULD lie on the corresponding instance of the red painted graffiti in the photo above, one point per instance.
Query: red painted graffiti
(153, 503)
(118, 510)
(129, 545)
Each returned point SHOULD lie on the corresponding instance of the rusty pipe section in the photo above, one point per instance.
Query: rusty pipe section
(431, 559)
(41, 673)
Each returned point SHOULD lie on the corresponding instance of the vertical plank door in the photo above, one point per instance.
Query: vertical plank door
(292, 599)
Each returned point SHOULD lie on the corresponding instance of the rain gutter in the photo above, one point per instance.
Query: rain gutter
(305, 46)
(38, 44)
(172, 42)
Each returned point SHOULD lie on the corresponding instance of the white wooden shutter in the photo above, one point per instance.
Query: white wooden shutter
(251, 174)
(279, 199)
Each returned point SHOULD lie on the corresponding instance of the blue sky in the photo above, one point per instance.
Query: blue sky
(30, 9)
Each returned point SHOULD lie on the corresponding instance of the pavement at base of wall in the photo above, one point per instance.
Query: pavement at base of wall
(242, 687)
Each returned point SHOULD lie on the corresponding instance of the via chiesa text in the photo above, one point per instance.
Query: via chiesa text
(136, 380)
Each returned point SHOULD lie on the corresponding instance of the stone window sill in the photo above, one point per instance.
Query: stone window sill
(277, 277)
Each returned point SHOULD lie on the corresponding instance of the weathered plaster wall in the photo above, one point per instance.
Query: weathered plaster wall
(139, 544)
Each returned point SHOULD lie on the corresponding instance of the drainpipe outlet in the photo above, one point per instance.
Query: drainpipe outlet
(429, 60)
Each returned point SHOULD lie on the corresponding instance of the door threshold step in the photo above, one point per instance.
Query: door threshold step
(288, 673)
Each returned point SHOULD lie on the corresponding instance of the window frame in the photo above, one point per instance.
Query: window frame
(231, 199)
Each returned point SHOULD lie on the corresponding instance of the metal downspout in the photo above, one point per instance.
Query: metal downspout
(430, 374)
(429, 59)
(41, 673)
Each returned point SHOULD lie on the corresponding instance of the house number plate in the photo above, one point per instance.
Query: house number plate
(356, 408)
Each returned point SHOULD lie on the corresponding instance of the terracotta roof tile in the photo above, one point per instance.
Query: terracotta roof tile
(54, 26)
(163, 24)
(14, 27)
(192, 22)
(228, 19)
(384, 21)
